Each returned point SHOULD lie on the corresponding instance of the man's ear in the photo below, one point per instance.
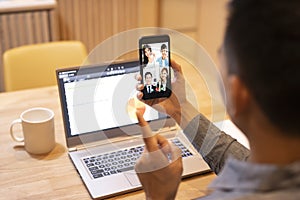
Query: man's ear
(239, 96)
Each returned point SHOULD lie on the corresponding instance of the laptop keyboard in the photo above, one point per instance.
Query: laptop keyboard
(120, 161)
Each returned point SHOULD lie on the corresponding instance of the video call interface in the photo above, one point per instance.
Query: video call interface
(156, 68)
(109, 97)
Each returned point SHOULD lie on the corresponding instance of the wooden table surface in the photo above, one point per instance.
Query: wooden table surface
(53, 176)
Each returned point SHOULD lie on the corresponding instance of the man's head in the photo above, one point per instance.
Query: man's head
(164, 51)
(148, 78)
(261, 49)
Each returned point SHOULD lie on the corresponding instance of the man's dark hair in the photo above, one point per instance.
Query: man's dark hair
(148, 73)
(163, 46)
(262, 46)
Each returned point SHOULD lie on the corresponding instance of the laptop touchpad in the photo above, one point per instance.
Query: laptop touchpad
(132, 178)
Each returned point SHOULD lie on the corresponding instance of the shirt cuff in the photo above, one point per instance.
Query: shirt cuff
(186, 114)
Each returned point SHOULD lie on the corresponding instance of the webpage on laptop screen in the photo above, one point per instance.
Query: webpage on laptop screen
(102, 100)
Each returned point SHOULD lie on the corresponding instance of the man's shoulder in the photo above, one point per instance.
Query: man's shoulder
(286, 194)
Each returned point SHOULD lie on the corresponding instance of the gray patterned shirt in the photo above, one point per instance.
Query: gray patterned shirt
(238, 179)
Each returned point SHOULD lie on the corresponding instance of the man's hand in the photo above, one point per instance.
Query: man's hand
(160, 167)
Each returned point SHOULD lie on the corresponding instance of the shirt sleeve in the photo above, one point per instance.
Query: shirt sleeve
(214, 145)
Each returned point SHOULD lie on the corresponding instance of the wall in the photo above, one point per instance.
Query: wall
(93, 21)
(202, 20)
(211, 24)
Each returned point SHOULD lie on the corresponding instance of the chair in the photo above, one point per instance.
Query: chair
(34, 65)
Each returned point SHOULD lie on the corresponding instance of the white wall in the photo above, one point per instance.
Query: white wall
(203, 20)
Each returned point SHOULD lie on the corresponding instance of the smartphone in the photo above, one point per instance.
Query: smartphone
(154, 56)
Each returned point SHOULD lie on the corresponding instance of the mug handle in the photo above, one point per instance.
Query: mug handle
(15, 138)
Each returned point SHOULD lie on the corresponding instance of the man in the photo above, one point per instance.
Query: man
(163, 60)
(149, 89)
(260, 70)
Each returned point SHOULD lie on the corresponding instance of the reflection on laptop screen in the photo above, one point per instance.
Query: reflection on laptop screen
(101, 97)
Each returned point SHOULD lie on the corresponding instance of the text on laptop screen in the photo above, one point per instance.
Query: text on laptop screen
(101, 97)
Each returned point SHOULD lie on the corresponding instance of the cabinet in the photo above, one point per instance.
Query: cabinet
(25, 22)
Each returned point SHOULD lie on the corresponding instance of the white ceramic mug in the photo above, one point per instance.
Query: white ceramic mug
(38, 130)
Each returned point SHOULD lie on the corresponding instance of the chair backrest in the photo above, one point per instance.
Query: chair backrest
(33, 66)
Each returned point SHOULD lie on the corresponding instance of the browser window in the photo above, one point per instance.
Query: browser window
(101, 100)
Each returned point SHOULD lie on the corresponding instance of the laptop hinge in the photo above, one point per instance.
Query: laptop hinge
(77, 148)
(72, 149)
(95, 144)
(81, 147)
(166, 129)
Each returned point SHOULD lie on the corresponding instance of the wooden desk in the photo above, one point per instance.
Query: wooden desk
(53, 176)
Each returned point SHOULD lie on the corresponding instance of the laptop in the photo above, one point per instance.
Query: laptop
(102, 135)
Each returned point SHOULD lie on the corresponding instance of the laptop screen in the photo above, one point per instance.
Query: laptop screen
(99, 98)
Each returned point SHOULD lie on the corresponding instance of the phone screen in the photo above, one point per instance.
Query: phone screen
(155, 66)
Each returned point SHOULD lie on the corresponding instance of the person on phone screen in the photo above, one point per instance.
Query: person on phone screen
(149, 56)
(163, 61)
(259, 65)
(149, 87)
(162, 86)
(162, 83)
